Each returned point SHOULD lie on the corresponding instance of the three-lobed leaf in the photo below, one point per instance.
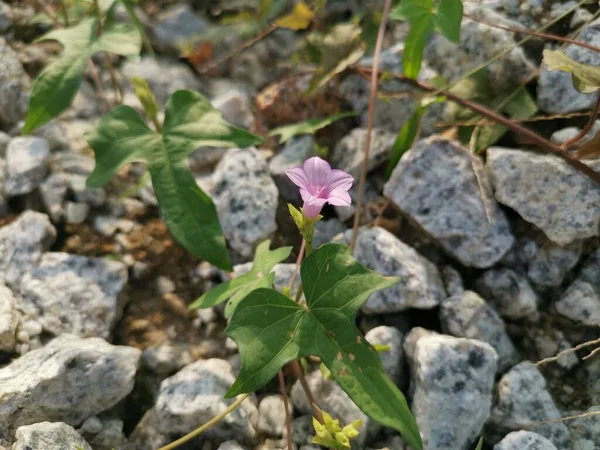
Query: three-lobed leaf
(237, 288)
(586, 78)
(271, 330)
(122, 137)
(55, 88)
(310, 126)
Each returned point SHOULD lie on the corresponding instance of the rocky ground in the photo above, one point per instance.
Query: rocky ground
(498, 255)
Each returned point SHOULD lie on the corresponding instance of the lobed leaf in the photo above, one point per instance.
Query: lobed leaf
(190, 122)
(310, 126)
(586, 78)
(271, 330)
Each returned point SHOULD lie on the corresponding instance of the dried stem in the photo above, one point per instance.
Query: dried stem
(309, 395)
(568, 351)
(288, 418)
(588, 125)
(113, 78)
(552, 37)
(532, 136)
(370, 114)
(201, 429)
(562, 419)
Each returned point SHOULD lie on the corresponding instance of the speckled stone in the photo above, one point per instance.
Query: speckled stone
(14, 87)
(27, 160)
(556, 94)
(294, 152)
(77, 295)
(524, 440)
(49, 436)
(9, 319)
(435, 183)
(348, 154)
(547, 192)
(420, 284)
(452, 380)
(509, 292)
(524, 400)
(467, 315)
(392, 359)
(68, 380)
(246, 198)
(585, 431)
(552, 262)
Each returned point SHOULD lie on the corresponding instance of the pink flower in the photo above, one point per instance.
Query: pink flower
(320, 184)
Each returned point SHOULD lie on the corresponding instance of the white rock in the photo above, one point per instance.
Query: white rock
(22, 243)
(523, 400)
(436, 184)
(420, 285)
(77, 212)
(9, 319)
(524, 440)
(246, 198)
(27, 160)
(110, 437)
(14, 86)
(452, 380)
(230, 445)
(75, 294)
(236, 106)
(547, 192)
(271, 415)
(49, 436)
(68, 380)
(348, 154)
(392, 359)
(467, 315)
(91, 425)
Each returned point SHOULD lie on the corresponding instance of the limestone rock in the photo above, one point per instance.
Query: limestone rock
(348, 154)
(524, 440)
(392, 359)
(14, 86)
(26, 164)
(9, 319)
(49, 436)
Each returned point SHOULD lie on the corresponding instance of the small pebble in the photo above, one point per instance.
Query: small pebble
(92, 425)
(32, 328)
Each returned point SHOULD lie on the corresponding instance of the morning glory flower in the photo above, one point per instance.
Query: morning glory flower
(320, 184)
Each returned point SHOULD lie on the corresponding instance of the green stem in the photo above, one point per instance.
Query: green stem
(205, 426)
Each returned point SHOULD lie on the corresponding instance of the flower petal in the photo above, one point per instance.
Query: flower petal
(312, 208)
(298, 177)
(339, 198)
(339, 180)
(317, 170)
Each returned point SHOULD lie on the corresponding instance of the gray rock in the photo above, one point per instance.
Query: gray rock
(435, 183)
(178, 25)
(165, 358)
(14, 87)
(392, 359)
(294, 152)
(230, 445)
(556, 94)
(271, 415)
(246, 199)
(110, 437)
(195, 395)
(420, 284)
(49, 436)
(552, 262)
(467, 315)
(563, 135)
(68, 380)
(331, 398)
(164, 76)
(452, 380)
(236, 106)
(76, 213)
(91, 425)
(9, 319)
(4, 140)
(302, 430)
(547, 192)
(585, 430)
(5, 17)
(55, 134)
(26, 165)
(522, 401)
(108, 225)
(509, 292)
(592, 367)
(76, 295)
(348, 154)
(326, 230)
(453, 281)
(479, 43)
(524, 440)
(22, 243)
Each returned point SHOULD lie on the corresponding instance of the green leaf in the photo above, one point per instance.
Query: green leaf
(448, 19)
(310, 126)
(190, 122)
(271, 330)
(479, 444)
(408, 133)
(56, 86)
(411, 9)
(237, 288)
(340, 48)
(130, 7)
(420, 30)
(586, 78)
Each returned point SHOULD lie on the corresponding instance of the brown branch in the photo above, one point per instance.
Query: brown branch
(553, 37)
(531, 136)
(588, 125)
(309, 395)
(288, 418)
(370, 115)
(568, 351)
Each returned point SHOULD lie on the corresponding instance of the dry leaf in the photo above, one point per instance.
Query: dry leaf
(299, 19)
(589, 150)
